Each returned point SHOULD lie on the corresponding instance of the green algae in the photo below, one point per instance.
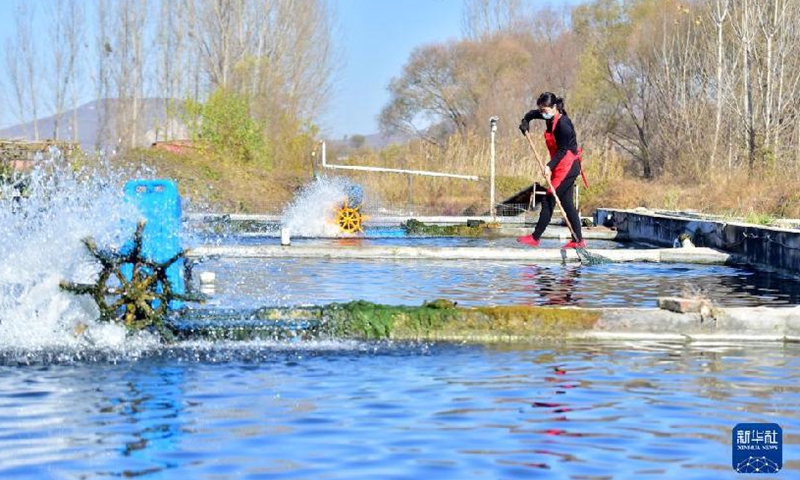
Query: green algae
(415, 227)
(366, 320)
(435, 320)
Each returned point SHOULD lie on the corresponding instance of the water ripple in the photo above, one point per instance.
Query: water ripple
(383, 410)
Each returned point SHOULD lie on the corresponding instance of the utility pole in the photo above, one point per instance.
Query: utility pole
(492, 209)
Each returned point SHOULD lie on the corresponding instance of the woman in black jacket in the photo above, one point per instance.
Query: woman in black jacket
(562, 169)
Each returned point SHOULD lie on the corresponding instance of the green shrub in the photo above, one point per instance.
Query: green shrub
(224, 124)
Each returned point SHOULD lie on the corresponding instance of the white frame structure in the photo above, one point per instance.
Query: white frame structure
(425, 173)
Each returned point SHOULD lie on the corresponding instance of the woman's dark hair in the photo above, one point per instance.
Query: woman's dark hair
(549, 99)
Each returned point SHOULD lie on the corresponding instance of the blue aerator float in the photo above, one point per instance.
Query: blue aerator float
(142, 284)
(159, 205)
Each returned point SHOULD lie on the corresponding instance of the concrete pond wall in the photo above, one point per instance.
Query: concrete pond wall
(771, 247)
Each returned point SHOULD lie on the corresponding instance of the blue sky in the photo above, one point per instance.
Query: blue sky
(377, 38)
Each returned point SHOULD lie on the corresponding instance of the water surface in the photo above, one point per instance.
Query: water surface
(377, 410)
(302, 281)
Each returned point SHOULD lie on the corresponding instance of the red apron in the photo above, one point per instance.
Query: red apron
(565, 165)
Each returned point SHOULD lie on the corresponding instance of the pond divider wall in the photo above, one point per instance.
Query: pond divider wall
(774, 248)
(659, 255)
(443, 320)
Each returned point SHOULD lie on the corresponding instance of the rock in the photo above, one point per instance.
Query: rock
(440, 304)
(703, 306)
(680, 305)
(685, 240)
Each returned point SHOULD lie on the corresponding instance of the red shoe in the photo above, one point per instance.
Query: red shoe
(574, 244)
(528, 240)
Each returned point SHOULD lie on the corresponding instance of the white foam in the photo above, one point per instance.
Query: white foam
(312, 212)
(40, 245)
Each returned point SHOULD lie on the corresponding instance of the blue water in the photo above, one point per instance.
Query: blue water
(246, 283)
(342, 410)
(376, 410)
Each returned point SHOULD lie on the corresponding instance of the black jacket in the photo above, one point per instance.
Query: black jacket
(565, 134)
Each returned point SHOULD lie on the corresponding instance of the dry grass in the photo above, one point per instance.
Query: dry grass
(774, 194)
(213, 183)
(216, 184)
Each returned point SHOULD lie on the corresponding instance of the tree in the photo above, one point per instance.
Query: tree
(65, 32)
(617, 76)
(102, 75)
(75, 39)
(430, 91)
(22, 67)
(454, 88)
(225, 124)
(485, 18)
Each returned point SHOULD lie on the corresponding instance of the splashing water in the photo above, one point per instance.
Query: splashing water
(40, 245)
(312, 212)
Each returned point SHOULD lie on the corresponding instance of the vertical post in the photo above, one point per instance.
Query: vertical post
(324, 158)
(492, 209)
(410, 195)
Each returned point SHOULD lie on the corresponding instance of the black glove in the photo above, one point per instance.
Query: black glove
(524, 127)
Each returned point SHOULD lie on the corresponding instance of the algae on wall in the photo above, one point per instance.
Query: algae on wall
(415, 227)
(439, 319)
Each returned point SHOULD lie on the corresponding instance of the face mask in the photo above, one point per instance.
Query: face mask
(547, 116)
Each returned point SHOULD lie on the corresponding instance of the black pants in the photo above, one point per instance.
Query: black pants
(566, 193)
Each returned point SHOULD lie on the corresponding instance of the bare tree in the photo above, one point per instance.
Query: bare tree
(279, 54)
(57, 78)
(28, 50)
(484, 18)
(22, 67)
(776, 19)
(65, 31)
(745, 31)
(719, 14)
(126, 50)
(102, 76)
(171, 47)
(16, 79)
(192, 80)
(75, 40)
(220, 33)
(430, 92)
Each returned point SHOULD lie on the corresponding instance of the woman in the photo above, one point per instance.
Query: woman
(562, 169)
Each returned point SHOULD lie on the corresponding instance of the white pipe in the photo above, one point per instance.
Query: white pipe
(397, 170)
(394, 170)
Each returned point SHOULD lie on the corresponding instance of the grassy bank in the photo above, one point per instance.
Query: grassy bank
(213, 182)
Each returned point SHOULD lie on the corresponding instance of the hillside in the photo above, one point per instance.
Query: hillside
(89, 120)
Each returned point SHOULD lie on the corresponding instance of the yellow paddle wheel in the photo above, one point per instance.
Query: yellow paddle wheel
(350, 219)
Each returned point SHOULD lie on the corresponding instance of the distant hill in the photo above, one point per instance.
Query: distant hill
(89, 117)
(152, 116)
